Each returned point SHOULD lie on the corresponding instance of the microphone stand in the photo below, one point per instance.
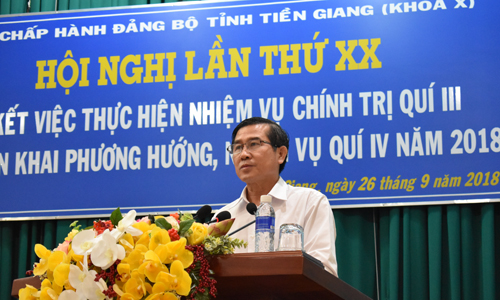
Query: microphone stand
(241, 228)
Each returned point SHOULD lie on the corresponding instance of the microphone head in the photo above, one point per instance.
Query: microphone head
(223, 215)
(203, 213)
(251, 208)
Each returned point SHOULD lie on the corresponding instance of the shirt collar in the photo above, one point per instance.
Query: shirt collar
(278, 191)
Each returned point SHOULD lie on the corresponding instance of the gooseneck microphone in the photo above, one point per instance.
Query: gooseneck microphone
(223, 215)
(251, 208)
(203, 213)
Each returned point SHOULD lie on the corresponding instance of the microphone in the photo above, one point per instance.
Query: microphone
(223, 215)
(203, 213)
(251, 208)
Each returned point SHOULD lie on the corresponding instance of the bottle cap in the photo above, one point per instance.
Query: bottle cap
(265, 199)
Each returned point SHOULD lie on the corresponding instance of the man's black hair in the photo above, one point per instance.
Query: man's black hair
(276, 135)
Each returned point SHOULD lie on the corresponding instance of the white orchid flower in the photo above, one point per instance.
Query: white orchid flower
(106, 251)
(125, 225)
(102, 286)
(70, 295)
(83, 281)
(84, 242)
(95, 292)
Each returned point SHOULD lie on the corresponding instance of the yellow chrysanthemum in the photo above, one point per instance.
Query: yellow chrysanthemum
(151, 266)
(44, 255)
(177, 251)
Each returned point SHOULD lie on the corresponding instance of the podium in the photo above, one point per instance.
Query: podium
(286, 275)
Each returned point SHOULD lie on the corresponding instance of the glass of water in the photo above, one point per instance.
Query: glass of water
(291, 237)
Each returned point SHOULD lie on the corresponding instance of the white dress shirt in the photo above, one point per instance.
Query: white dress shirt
(304, 206)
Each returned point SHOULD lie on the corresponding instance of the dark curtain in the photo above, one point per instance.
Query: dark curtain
(13, 6)
(423, 252)
(416, 252)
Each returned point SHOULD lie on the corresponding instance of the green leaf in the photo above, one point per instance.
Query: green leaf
(184, 226)
(162, 223)
(116, 217)
(204, 296)
(186, 216)
(75, 226)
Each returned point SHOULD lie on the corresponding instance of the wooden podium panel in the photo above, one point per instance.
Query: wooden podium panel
(20, 283)
(265, 276)
(277, 276)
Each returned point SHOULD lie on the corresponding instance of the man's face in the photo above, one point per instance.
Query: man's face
(261, 164)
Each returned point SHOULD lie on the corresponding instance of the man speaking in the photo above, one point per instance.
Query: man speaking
(259, 148)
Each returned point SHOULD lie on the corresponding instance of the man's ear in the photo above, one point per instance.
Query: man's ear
(282, 152)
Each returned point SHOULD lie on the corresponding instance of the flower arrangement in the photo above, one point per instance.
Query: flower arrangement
(128, 259)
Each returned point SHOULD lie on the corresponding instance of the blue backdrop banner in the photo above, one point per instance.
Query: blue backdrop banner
(385, 103)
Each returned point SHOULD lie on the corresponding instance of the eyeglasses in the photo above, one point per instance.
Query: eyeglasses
(252, 145)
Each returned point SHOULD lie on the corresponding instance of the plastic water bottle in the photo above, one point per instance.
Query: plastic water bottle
(264, 225)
